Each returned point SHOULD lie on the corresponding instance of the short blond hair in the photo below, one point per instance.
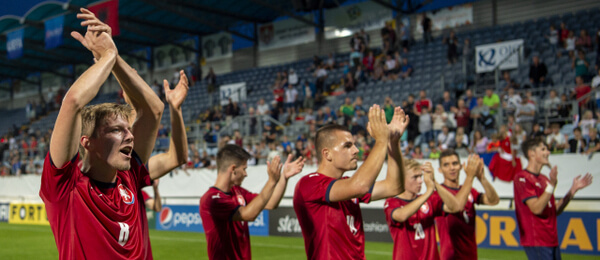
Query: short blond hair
(94, 115)
(411, 164)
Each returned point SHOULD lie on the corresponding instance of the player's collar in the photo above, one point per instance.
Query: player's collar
(104, 185)
(228, 193)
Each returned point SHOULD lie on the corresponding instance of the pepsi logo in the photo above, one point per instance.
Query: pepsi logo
(126, 195)
(425, 208)
(166, 218)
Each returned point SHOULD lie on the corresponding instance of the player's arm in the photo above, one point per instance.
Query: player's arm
(290, 168)
(67, 131)
(363, 179)
(394, 180)
(538, 204)
(161, 164)
(253, 209)
(154, 203)
(578, 183)
(490, 197)
(457, 203)
(402, 214)
(147, 105)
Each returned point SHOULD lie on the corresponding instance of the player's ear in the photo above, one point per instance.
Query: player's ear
(326, 154)
(85, 142)
(231, 168)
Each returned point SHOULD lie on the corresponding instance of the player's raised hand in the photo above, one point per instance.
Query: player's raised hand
(92, 22)
(377, 126)
(291, 168)
(399, 123)
(428, 176)
(481, 172)
(554, 176)
(274, 168)
(176, 96)
(581, 182)
(98, 44)
(472, 166)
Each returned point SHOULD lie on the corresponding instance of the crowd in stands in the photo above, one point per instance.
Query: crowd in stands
(460, 120)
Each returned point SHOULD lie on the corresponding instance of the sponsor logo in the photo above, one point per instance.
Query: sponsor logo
(486, 58)
(126, 195)
(288, 224)
(259, 221)
(4, 212)
(376, 227)
(425, 208)
(313, 175)
(218, 196)
(166, 218)
(522, 179)
(28, 213)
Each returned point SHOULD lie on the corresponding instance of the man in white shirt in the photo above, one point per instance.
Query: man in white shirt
(525, 114)
(595, 84)
(291, 94)
(556, 140)
(262, 108)
(293, 78)
(446, 139)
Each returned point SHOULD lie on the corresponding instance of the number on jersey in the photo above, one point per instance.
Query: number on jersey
(124, 234)
(419, 233)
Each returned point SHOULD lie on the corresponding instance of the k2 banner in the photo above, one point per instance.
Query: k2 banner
(187, 218)
(488, 56)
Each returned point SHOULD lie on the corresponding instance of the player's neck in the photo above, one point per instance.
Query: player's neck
(407, 195)
(100, 171)
(223, 182)
(534, 167)
(329, 170)
(451, 184)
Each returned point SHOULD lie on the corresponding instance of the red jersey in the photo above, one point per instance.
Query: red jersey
(96, 220)
(423, 103)
(415, 237)
(581, 91)
(331, 230)
(534, 230)
(145, 196)
(457, 230)
(225, 238)
(278, 93)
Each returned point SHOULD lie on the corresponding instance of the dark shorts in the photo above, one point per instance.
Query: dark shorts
(542, 253)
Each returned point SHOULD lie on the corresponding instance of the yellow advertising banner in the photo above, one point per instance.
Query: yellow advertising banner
(28, 213)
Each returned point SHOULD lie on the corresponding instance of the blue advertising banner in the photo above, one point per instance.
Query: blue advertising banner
(578, 232)
(14, 44)
(54, 31)
(187, 218)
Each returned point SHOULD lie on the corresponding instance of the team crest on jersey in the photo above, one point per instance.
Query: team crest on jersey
(126, 194)
(425, 208)
(470, 198)
(354, 200)
(241, 200)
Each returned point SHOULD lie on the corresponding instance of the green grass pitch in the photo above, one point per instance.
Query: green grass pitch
(37, 242)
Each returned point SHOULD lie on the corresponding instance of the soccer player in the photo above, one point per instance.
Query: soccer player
(326, 203)
(226, 207)
(535, 206)
(96, 210)
(411, 216)
(457, 230)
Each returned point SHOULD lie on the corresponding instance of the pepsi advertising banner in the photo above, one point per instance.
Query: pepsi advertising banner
(187, 218)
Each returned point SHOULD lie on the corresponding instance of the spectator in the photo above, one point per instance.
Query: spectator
(570, 45)
(447, 101)
(317, 61)
(440, 119)
(349, 83)
(293, 78)
(481, 116)
(329, 116)
(347, 108)
(598, 49)
(452, 42)
(509, 82)
(309, 94)
(278, 98)
(358, 49)
(406, 70)
(433, 151)
(551, 105)
(365, 37)
(563, 33)
(587, 122)
(577, 144)
(426, 25)
(404, 37)
(580, 92)
(564, 109)
(445, 138)
(320, 75)
(553, 38)
(525, 114)
(491, 100)
(595, 85)
(359, 75)
(416, 153)
(425, 125)
(460, 135)
(467, 50)
(536, 131)
(358, 104)
(309, 117)
(580, 64)
(423, 102)
(460, 148)
(388, 36)
(356, 128)
(388, 108)
(480, 143)
(211, 80)
(462, 115)
(391, 68)
(470, 100)
(556, 140)
(237, 138)
(584, 41)
(262, 108)
(593, 142)
(291, 97)
(330, 62)
(369, 63)
(511, 101)
(537, 73)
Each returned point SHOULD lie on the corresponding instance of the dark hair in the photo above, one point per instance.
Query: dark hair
(324, 135)
(577, 129)
(448, 153)
(530, 144)
(231, 154)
